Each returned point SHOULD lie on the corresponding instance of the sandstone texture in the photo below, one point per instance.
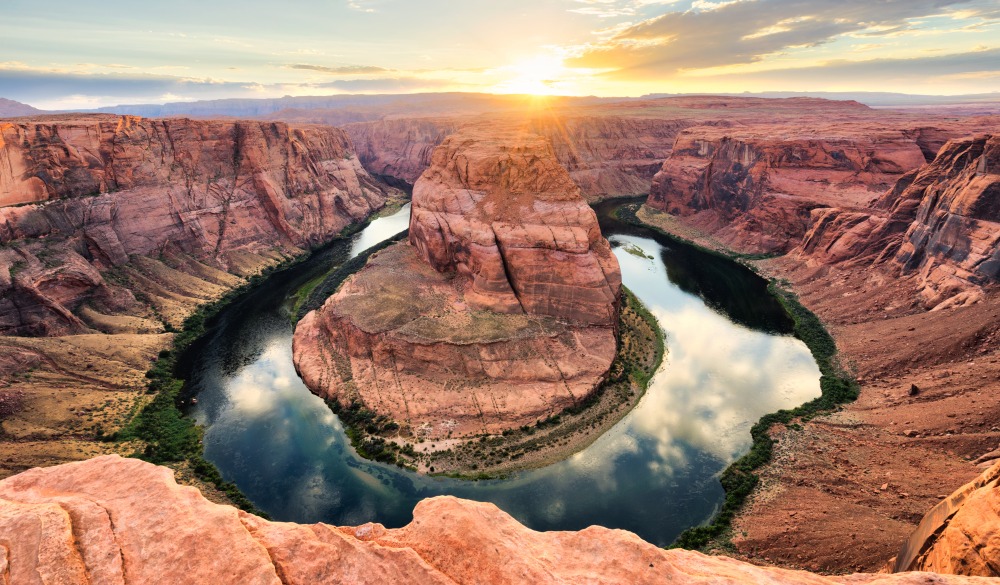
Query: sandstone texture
(400, 148)
(755, 189)
(81, 198)
(501, 310)
(938, 223)
(119, 521)
(606, 155)
(960, 535)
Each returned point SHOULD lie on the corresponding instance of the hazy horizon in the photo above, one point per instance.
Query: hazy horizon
(65, 55)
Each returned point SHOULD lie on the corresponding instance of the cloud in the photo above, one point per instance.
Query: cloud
(388, 84)
(981, 64)
(713, 34)
(59, 90)
(342, 70)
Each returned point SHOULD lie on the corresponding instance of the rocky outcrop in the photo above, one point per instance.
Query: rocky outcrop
(605, 155)
(939, 224)
(755, 191)
(960, 535)
(500, 311)
(80, 197)
(499, 210)
(954, 240)
(123, 521)
(400, 148)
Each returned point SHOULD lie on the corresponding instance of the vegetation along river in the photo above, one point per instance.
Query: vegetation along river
(731, 359)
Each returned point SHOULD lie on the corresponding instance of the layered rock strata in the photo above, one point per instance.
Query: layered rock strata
(80, 197)
(754, 191)
(605, 155)
(123, 521)
(939, 224)
(501, 310)
(960, 535)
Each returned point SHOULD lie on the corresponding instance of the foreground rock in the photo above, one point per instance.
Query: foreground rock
(122, 521)
(500, 311)
(961, 535)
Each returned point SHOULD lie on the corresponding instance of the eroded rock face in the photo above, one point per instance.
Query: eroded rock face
(501, 212)
(953, 241)
(755, 192)
(605, 155)
(938, 224)
(124, 521)
(501, 310)
(961, 535)
(82, 196)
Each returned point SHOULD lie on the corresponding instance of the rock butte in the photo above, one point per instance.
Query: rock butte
(80, 523)
(501, 310)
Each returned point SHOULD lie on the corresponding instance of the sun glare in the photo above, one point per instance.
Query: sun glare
(535, 76)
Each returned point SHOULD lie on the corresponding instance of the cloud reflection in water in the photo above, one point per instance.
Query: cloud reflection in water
(654, 473)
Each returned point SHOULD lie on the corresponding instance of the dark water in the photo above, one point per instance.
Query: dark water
(655, 473)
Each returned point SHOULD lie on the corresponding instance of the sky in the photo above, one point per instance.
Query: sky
(80, 54)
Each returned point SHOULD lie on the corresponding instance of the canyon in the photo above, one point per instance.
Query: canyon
(500, 311)
(114, 229)
(884, 224)
(87, 526)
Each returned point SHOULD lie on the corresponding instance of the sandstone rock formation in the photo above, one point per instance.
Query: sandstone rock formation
(80, 197)
(961, 535)
(400, 148)
(605, 155)
(938, 223)
(754, 190)
(501, 310)
(122, 521)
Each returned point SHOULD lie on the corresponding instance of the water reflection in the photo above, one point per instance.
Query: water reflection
(655, 473)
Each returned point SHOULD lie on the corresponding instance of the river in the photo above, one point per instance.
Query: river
(731, 359)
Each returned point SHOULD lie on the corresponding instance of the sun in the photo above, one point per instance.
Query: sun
(535, 76)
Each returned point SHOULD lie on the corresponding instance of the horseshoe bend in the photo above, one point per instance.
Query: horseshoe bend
(377, 291)
(499, 311)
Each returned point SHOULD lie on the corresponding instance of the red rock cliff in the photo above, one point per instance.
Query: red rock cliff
(938, 224)
(81, 196)
(500, 211)
(605, 155)
(502, 311)
(755, 191)
(123, 521)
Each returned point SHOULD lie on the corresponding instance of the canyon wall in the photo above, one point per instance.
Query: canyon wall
(80, 523)
(500, 311)
(605, 155)
(86, 201)
(939, 224)
(754, 190)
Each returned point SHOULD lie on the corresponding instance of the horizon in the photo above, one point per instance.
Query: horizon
(65, 56)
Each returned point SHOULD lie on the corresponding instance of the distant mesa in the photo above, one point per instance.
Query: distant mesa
(501, 309)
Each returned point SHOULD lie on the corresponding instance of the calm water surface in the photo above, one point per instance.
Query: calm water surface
(655, 473)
